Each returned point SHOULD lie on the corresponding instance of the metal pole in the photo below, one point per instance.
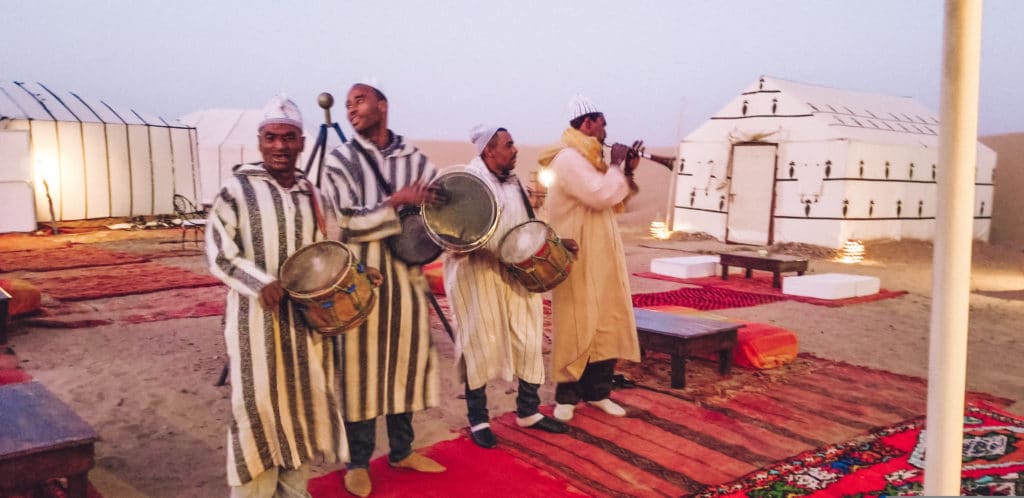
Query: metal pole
(947, 354)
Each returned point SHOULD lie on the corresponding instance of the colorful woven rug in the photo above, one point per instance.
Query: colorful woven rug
(703, 298)
(111, 281)
(76, 256)
(761, 284)
(721, 428)
(890, 462)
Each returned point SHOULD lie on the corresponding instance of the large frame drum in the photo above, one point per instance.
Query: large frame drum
(469, 217)
(329, 286)
(414, 246)
(535, 256)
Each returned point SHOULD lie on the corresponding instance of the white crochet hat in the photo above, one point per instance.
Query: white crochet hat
(480, 135)
(372, 82)
(281, 110)
(580, 106)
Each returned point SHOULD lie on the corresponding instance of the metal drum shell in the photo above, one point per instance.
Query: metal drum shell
(463, 202)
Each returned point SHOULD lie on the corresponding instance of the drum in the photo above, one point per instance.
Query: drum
(467, 220)
(329, 286)
(535, 256)
(413, 246)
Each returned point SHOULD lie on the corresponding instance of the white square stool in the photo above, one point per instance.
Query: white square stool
(830, 285)
(685, 266)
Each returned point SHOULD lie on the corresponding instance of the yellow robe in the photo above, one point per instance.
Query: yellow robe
(592, 310)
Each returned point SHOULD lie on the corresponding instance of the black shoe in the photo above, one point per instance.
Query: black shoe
(484, 438)
(620, 381)
(551, 425)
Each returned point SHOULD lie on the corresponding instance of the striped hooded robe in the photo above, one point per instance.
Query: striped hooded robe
(283, 401)
(388, 365)
(499, 324)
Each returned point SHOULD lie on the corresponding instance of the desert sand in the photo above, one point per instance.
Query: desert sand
(148, 389)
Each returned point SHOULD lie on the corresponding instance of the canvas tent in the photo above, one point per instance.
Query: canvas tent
(96, 159)
(792, 162)
(227, 137)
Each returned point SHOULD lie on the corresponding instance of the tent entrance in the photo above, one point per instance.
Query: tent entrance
(751, 194)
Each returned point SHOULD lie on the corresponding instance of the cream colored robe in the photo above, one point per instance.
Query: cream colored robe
(499, 325)
(592, 310)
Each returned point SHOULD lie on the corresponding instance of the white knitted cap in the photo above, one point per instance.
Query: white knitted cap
(281, 110)
(580, 106)
(480, 135)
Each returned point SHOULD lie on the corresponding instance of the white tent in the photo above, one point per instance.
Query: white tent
(97, 160)
(227, 137)
(791, 162)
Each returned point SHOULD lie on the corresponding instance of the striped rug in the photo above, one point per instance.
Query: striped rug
(680, 442)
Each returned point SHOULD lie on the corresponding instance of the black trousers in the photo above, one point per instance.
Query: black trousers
(362, 438)
(527, 402)
(595, 384)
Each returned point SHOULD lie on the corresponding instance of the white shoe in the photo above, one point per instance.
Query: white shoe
(564, 412)
(610, 407)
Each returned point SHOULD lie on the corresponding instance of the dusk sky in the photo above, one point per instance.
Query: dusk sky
(657, 68)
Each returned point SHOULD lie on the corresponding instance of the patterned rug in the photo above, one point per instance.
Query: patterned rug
(138, 308)
(720, 428)
(121, 280)
(703, 298)
(76, 256)
(890, 462)
(761, 284)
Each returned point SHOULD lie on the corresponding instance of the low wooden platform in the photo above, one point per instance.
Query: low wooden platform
(682, 336)
(42, 438)
(776, 263)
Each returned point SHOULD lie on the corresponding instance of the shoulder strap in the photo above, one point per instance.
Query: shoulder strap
(381, 182)
(526, 199)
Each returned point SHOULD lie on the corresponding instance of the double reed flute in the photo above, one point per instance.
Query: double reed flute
(668, 162)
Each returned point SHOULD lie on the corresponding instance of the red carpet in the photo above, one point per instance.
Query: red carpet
(110, 281)
(761, 284)
(889, 462)
(472, 472)
(679, 442)
(703, 298)
(76, 256)
(140, 308)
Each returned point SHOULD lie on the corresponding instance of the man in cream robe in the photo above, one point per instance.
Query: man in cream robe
(592, 311)
(499, 324)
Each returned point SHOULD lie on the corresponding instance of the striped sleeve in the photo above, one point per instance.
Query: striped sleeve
(364, 213)
(223, 251)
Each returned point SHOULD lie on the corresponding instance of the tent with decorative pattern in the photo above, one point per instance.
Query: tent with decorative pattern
(792, 162)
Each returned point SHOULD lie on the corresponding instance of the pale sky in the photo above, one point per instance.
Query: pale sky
(656, 68)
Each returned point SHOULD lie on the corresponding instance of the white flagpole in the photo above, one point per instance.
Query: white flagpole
(951, 267)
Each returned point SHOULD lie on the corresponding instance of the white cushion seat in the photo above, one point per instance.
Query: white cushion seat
(831, 285)
(685, 266)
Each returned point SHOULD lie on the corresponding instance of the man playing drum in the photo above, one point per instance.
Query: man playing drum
(499, 323)
(283, 403)
(592, 310)
(388, 365)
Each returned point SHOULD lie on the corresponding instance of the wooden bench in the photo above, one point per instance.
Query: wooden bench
(682, 336)
(41, 438)
(753, 261)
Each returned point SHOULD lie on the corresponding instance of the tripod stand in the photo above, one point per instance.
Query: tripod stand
(325, 100)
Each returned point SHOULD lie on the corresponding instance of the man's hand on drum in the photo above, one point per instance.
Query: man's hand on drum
(271, 295)
(416, 194)
(375, 276)
(571, 245)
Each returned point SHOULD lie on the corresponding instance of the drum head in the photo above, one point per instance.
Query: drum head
(414, 246)
(315, 268)
(468, 219)
(522, 242)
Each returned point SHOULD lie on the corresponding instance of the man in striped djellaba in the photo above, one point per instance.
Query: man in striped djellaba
(285, 409)
(388, 365)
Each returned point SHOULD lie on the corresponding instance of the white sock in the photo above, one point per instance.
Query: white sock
(477, 427)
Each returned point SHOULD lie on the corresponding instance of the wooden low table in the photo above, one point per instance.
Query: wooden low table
(776, 263)
(41, 438)
(681, 336)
